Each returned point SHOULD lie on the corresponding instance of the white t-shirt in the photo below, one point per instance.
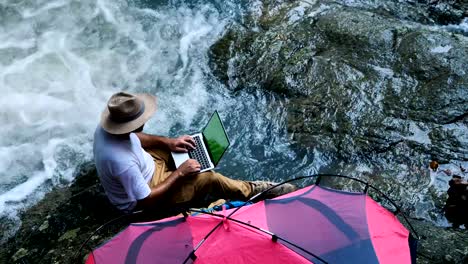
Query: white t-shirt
(124, 168)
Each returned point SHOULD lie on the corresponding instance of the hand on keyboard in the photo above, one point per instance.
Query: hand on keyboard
(190, 166)
(182, 144)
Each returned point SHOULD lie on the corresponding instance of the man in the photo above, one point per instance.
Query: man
(456, 206)
(136, 169)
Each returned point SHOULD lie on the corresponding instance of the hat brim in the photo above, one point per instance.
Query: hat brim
(123, 128)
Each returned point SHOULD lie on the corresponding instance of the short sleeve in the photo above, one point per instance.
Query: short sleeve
(134, 184)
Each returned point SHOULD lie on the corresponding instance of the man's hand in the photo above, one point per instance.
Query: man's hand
(181, 144)
(190, 166)
(160, 191)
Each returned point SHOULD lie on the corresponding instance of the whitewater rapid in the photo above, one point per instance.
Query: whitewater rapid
(61, 60)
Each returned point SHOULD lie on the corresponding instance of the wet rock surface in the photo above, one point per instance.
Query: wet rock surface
(440, 245)
(56, 229)
(377, 87)
(423, 11)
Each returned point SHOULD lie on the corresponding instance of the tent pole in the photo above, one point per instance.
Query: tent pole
(274, 237)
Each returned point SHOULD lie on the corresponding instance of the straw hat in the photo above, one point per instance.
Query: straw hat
(126, 112)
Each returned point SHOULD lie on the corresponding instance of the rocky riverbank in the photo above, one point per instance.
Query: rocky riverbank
(379, 87)
(55, 229)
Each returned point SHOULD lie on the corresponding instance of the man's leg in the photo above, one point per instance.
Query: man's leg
(162, 166)
(209, 186)
(196, 188)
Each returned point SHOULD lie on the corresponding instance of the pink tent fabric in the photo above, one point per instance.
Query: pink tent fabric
(336, 226)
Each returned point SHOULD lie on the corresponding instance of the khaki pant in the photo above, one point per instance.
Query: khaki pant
(198, 188)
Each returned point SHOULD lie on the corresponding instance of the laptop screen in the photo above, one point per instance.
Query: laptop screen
(215, 138)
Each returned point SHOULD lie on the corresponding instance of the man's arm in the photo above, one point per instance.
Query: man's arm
(180, 144)
(159, 192)
(153, 141)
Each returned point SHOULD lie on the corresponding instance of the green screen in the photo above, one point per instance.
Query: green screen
(215, 138)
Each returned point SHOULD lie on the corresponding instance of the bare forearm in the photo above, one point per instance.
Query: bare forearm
(162, 188)
(180, 144)
(153, 141)
(159, 192)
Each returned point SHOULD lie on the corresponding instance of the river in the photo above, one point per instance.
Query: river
(61, 60)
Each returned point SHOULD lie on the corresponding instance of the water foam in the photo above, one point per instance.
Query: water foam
(65, 58)
(61, 60)
(461, 28)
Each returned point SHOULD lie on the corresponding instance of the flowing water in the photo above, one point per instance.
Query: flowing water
(61, 60)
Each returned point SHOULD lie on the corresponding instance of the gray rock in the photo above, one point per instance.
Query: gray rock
(363, 87)
(73, 214)
(21, 253)
(374, 84)
(439, 245)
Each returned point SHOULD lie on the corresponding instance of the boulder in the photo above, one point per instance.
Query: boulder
(362, 86)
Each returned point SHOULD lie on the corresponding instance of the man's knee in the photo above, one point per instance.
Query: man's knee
(208, 177)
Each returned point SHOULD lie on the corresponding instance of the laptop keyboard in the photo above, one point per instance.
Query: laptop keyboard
(198, 154)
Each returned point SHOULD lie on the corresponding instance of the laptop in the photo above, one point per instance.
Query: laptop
(211, 144)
